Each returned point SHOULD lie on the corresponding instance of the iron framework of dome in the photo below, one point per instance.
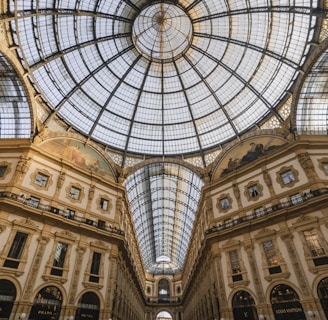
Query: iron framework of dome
(162, 78)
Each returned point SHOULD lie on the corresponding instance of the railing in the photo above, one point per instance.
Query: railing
(164, 300)
(69, 214)
(267, 211)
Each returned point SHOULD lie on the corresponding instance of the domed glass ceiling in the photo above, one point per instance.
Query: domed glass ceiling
(162, 77)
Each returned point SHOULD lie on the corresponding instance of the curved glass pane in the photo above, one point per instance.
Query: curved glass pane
(163, 199)
(312, 107)
(15, 117)
(163, 77)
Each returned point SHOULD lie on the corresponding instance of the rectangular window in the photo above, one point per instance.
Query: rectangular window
(234, 262)
(95, 267)
(270, 253)
(253, 191)
(3, 170)
(296, 199)
(104, 204)
(16, 250)
(75, 193)
(59, 259)
(314, 244)
(41, 180)
(287, 177)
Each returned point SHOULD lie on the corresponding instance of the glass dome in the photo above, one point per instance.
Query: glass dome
(162, 77)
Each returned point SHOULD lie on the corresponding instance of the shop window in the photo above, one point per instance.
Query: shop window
(16, 250)
(7, 298)
(286, 303)
(41, 180)
(88, 307)
(95, 267)
(323, 295)
(47, 304)
(243, 306)
(59, 259)
(316, 247)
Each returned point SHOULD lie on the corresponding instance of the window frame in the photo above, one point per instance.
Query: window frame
(284, 170)
(7, 170)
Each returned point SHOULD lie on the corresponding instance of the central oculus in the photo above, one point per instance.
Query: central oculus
(162, 31)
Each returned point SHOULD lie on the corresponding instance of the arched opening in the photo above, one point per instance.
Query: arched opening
(286, 303)
(163, 290)
(243, 306)
(47, 304)
(163, 315)
(88, 307)
(323, 295)
(8, 296)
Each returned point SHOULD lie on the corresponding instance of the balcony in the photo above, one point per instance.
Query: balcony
(268, 211)
(65, 214)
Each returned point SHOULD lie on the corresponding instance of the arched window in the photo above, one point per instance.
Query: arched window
(47, 304)
(163, 290)
(8, 296)
(88, 307)
(323, 295)
(163, 315)
(285, 303)
(243, 306)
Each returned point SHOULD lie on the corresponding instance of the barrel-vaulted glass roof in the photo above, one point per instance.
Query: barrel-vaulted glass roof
(163, 77)
(164, 199)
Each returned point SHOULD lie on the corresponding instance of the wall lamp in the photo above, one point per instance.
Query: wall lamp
(311, 314)
(22, 316)
(262, 317)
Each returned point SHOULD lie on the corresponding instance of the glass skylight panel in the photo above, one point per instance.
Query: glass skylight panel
(224, 53)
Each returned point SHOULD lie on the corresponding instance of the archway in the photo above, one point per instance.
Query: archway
(163, 290)
(323, 295)
(7, 298)
(47, 304)
(286, 303)
(163, 315)
(88, 307)
(243, 306)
